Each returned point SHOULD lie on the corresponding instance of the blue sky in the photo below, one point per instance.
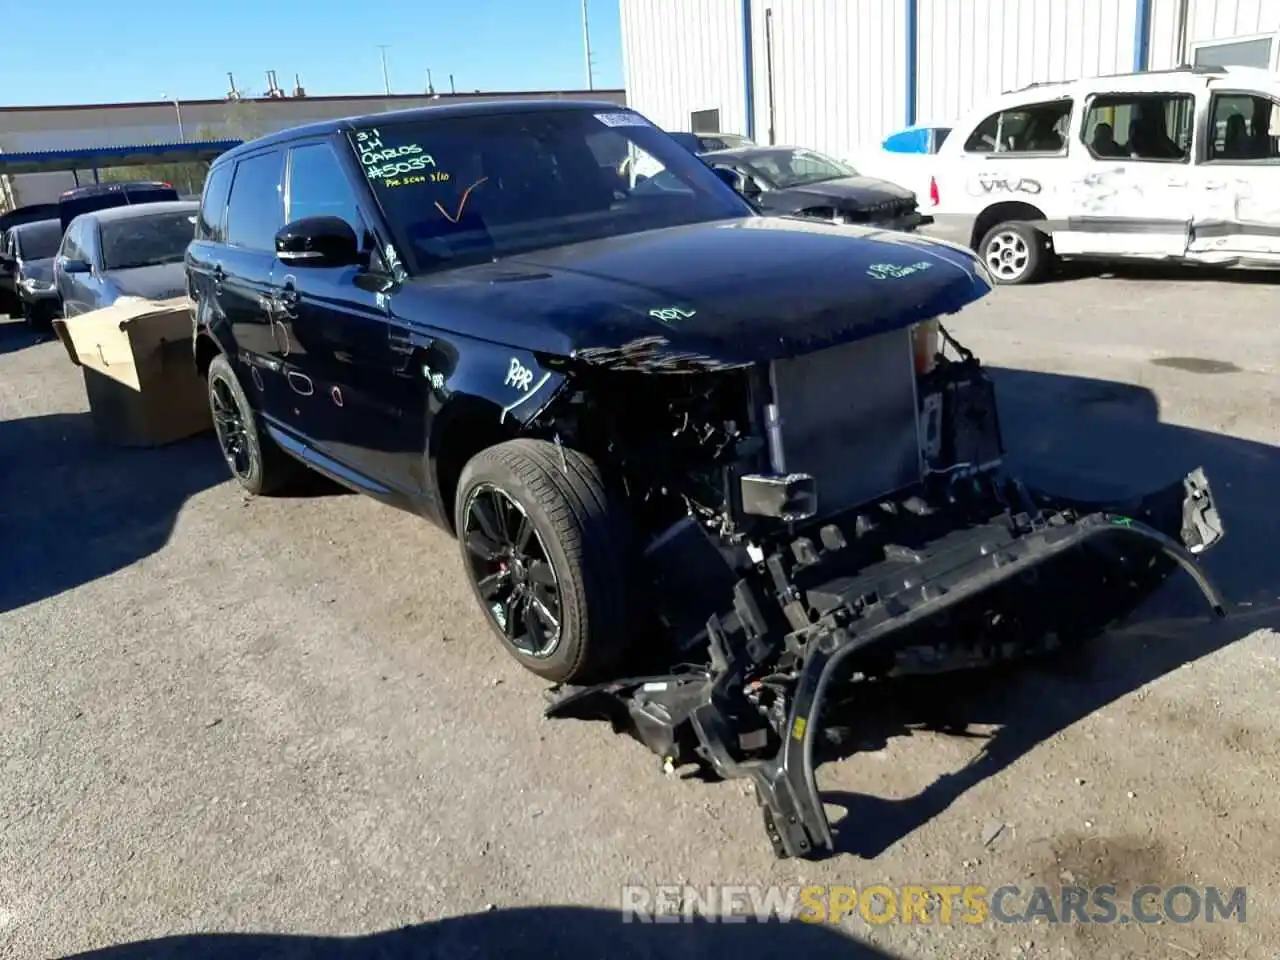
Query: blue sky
(145, 50)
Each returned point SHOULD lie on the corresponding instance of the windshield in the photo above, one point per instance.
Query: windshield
(785, 168)
(147, 241)
(461, 190)
(38, 241)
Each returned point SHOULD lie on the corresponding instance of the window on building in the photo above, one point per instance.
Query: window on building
(1236, 53)
(214, 204)
(1145, 126)
(1030, 128)
(1242, 128)
(254, 213)
(704, 121)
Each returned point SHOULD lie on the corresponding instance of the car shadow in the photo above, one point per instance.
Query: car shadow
(1083, 269)
(534, 932)
(15, 335)
(1083, 438)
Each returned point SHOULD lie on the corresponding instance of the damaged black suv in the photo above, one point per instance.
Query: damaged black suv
(702, 463)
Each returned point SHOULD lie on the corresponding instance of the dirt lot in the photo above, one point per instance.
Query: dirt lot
(283, 718)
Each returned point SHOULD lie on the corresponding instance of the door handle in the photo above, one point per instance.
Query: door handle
(288, 298)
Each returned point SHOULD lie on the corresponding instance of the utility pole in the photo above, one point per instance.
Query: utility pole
(586, 46)
(386, 80)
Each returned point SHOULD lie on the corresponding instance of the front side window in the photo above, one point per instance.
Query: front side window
(784, 168)
(39, 241)
(1242, 128)
(1032, 128)
(462, 190)
(72, 249)
(318, 187)
(148, 241)
(254, 212)
(1140, 126)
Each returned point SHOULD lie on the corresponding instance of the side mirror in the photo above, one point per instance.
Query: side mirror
(318, 242)
(74, 266)
(750, 189)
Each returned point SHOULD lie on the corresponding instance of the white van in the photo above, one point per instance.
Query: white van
(1179, 165)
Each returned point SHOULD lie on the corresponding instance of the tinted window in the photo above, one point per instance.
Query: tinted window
(783, 168)
(72, 248)
(213, 206)
(38, 241)
(318, 187)
(146, 241)
(1240, 128)
(467, 189)
(1139, 126)
(1033, 128)
(254, 212)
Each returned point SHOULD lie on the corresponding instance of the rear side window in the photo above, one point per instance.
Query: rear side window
(255, 212)
(214, 205)
(1030, 128)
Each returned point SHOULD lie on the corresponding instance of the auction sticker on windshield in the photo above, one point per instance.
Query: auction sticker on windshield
(381, 162)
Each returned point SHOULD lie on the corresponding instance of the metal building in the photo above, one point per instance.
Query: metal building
(838, 75)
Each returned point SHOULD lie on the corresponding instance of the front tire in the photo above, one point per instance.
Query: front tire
(1016, 253)
(545, 548)
(257, 464)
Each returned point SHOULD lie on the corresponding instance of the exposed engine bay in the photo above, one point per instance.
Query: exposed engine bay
(837, 517)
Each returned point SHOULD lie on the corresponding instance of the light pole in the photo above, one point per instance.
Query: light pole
(177, 110)
(386, 80)
(586, 45)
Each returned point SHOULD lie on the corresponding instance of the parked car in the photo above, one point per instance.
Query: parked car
(9, 302)
(706, 142)
(27, 254)
(135, 251)
(794, 180)
(104, 196)
(672, 436)
(1176, 166)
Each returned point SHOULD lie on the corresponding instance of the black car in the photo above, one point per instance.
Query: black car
(707, 142)
(102, 196)
(795, 180)
(9, 302)
(27, 254)
(714, 463)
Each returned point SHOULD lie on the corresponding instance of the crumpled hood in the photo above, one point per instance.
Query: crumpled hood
(852, 192)
(151, 283)
(726, 293)
(41, 270)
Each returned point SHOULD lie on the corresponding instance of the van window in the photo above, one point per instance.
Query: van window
(214, 204)
(1155, 127)
(1240, 128)
(254, 212)
(1030, 128)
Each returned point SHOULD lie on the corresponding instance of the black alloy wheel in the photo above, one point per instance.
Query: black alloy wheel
(228, 423)
(512, 571)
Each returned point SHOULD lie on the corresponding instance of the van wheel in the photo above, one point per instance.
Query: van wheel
(544, 545)
(258, 465)
(1015, 252)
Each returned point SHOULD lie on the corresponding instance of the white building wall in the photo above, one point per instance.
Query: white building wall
(684, 55)
(1207, 20)
(839, 72)
(971, 49)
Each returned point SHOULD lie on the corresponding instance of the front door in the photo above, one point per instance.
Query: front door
(1237, 215)
(1132, 190)
(364, 411)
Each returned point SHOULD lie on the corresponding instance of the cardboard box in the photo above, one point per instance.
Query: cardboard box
(139, 373)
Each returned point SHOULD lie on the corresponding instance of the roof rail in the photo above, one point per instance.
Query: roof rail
(1205, 70)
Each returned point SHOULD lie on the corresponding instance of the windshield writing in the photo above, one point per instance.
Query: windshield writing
(461, 190)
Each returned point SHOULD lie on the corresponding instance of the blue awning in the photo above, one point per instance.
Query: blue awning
(88, 158)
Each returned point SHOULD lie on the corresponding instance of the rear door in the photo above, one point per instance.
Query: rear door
(1237, 180)
(1132, 194)
(241, 276)
(367, 407)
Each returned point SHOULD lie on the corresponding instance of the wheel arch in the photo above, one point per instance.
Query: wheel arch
(459, 430)
(206, 348)
(1000, 213)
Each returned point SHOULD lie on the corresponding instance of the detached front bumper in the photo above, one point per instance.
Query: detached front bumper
(1120, 553)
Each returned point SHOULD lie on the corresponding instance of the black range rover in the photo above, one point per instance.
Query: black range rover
(702, 464)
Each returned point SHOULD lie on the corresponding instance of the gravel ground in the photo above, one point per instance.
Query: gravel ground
(278, 727)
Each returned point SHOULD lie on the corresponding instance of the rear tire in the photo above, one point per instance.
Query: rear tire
(1016, 253)
(36, 318)
(256, 462)
(545, 546)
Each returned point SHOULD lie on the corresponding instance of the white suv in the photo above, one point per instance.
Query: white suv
(1180, 165)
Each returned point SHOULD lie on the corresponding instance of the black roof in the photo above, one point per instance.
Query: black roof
(443, 111)
(22, 228)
